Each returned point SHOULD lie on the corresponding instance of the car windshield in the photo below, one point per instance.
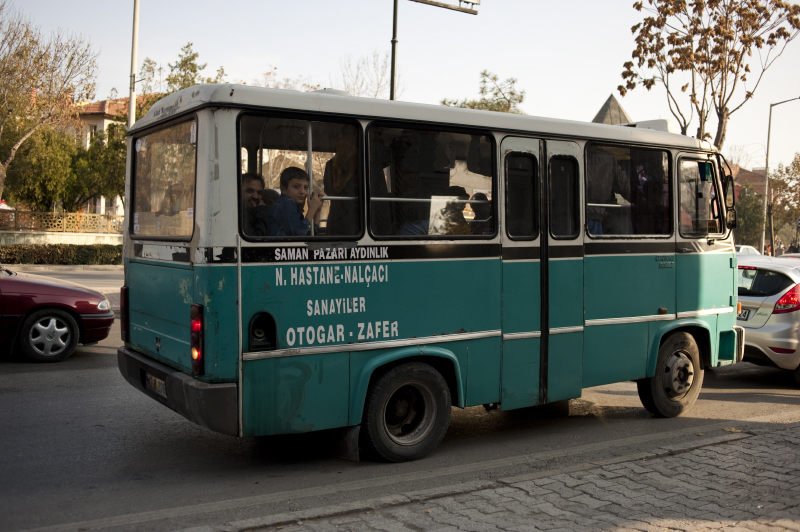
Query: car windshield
(759, 282)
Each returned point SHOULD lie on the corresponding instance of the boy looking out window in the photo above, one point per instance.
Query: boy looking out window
(286, 216)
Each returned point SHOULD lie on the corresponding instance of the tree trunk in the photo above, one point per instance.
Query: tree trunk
(2, 179)
(771, 233)
(722, 128)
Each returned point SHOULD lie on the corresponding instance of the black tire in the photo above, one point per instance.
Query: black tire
(797, 376)
(49, 335)
(678, 378)
(407, 412)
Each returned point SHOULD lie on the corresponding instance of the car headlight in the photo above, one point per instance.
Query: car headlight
(103, 305)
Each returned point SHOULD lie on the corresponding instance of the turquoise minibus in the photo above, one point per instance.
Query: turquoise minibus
(296, 262)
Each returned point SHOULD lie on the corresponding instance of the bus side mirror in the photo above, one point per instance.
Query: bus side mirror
(730, 218)
(730, 192)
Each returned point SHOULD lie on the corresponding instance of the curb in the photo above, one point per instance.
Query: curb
(62, 267)
(338, 510)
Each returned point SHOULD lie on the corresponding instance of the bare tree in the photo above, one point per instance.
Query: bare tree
(271, 80)
(41, 79)
(703, 51)
(738, 156)
(367, 76)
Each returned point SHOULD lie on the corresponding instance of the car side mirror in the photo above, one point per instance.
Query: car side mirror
(730, 218)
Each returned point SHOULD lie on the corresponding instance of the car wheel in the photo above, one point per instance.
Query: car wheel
(678, 378)
(797, 376)
(407, 412)
(49, 335)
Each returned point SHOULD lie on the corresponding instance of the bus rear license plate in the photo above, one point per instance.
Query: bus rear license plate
(743, 315)
(156, 385)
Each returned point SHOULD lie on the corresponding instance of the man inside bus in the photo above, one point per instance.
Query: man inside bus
(286, 216)
(256, 203)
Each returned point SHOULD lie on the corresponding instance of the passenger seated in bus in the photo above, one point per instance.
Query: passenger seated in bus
(482, 224)
(604, 179)
(341, 179)
(255, 211)
(446, 218)
(286, 216)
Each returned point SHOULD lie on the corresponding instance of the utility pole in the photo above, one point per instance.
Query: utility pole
(393, 80)
(134, 50)
(766, 186)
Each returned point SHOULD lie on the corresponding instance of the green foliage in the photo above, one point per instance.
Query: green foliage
(749, 216)
(495, 96)
(42, 168)
(65, 254)
(185, 72)
(785, 185)
(98, 170)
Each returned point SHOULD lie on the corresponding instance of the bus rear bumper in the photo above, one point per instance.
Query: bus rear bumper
(214, 406)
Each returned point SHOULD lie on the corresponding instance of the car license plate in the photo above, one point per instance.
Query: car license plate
(156, 385)
(744, 314)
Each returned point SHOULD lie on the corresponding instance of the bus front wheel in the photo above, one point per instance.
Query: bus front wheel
(407, 412)
(677, 380)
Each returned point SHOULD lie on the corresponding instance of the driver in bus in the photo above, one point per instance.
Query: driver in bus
(255, 209)
(286, 216)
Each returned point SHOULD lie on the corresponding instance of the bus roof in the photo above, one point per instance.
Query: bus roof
(334, 102)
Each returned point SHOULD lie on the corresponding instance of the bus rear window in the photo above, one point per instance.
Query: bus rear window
(164, 182)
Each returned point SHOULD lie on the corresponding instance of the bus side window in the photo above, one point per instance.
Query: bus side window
(564, 194)
(700, 208)
(521, 215)
(627, 191)
(430, 184)
(328, 155)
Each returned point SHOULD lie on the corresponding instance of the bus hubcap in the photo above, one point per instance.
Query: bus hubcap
(678, 375)
(409, 414)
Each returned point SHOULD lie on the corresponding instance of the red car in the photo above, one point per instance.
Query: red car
(49, 317)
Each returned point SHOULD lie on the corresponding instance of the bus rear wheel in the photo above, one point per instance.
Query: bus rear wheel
(407, 412)
(677, 380)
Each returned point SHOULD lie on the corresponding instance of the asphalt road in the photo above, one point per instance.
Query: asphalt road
(82, 448)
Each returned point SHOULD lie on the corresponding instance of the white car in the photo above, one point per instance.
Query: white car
(769, 291)
(746, 250)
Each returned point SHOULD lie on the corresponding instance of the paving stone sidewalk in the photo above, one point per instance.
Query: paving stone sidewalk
(748, 484)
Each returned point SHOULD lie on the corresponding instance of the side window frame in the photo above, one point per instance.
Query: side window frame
(535, 200)
(577, 201)
(423, 126)
(671, 178)
(719, 199)
(149, 131)
(307, 117)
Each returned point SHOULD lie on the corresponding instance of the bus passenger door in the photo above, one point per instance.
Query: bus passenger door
(562, 267)
(522, 303)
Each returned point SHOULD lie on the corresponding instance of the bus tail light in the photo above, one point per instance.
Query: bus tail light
(124, 314)
(789, 302)
(196, 331)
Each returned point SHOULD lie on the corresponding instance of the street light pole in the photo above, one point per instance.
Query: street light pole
(393, 80)
(766, 178)
(134, 50)
(394, 53)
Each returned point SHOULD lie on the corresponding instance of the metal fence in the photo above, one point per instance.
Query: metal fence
(61, 222)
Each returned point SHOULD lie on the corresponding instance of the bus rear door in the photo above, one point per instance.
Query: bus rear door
(522, 277)
(563, 270)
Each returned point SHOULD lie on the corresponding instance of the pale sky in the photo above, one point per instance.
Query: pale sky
(566, 55)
